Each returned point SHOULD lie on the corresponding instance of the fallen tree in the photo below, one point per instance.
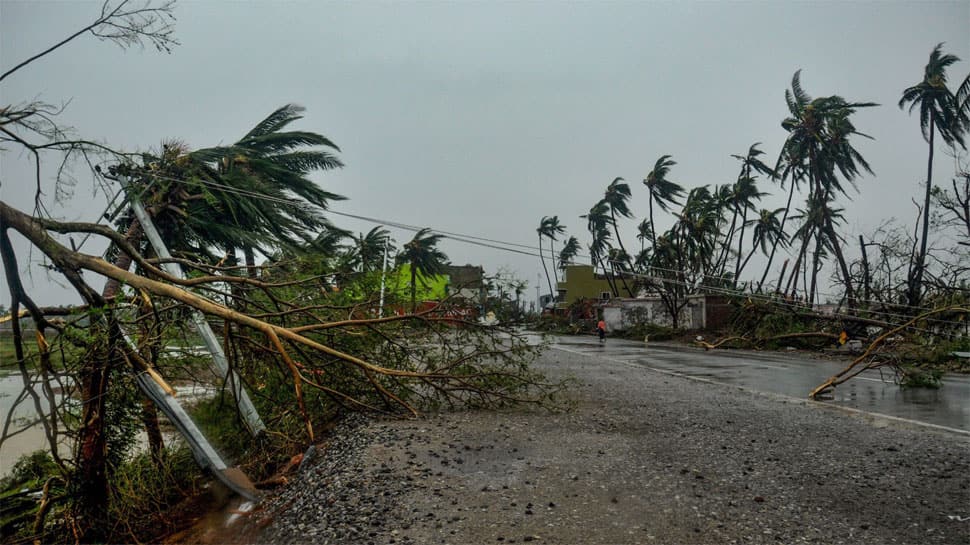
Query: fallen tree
(307, 353)
(872, 359)
(832, 329)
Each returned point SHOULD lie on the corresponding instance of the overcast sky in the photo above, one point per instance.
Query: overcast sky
(480, 118)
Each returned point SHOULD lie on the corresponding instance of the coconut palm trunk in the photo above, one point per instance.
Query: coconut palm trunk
(414, 290)
(774, 245)
(916, 284)
(737, 267)
(545, 269)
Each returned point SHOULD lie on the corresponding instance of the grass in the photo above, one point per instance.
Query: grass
(8, 356)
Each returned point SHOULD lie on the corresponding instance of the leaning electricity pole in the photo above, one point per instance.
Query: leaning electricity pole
(246, 408)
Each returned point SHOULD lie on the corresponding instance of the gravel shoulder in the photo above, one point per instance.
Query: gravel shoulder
(642, 458)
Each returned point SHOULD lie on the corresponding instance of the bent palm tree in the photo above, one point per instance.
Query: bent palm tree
(545, 230)
(740, 196)
(767, 229)
(367, 253)
(818, 144)
(616, 196)
(271, 166)
(745, 193)
(424, 258)
(569, 251)
(938, 113)
(597, 223)
(661, 190)
(553, 230)
(644, 233)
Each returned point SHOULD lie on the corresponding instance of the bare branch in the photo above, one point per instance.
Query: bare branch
(124, 24)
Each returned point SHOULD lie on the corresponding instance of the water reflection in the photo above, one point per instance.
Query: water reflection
(32, 438)
(796, 375)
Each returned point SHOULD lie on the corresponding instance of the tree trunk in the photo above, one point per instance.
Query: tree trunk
(542, 258)
(616, 230)
(737, 267)
(781, 277)
(250, 261)
(552, 254)
(149, 418)
(774, 246)
(728, 242)
(414, 290)
(792, 280)
(653, 226)
(815, 268)
(123, 261)
(916, 277)
(606, 274)
(92, 467)
(149, 414)
(744, 263)
(843, 267)
(867, 293)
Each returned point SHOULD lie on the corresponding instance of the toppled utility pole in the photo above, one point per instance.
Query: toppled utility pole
(246, 408)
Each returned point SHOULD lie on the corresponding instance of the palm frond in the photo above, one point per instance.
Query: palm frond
(275, 121)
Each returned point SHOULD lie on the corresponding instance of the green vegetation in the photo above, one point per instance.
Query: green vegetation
(652, 332)
(912, 377)
(309, 333)
(705, 249)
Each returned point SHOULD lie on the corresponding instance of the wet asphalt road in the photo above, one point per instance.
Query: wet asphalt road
(793, 375)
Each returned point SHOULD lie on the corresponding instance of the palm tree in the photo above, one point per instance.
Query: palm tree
(697, 229)
(198, 202)
(328, 245)
(644, 233)
(569, 251)
(272, 167)
(818, 143)
(597, 223)
(661, 190)
(545, 230)
(816, 218)
(785, 169)
(963, 100)
(740, 196)
(767, 229)
(553, 230)
(367, 253)
(616, 197)
(940, 113)
(667, 274)
(424, 258)
(745, 193)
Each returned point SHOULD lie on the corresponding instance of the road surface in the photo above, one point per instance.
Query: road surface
(793, 375)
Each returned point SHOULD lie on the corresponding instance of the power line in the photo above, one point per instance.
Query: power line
(468, 239)
(511, 247)
(794, 305)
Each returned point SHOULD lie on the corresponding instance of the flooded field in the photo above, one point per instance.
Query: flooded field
(11, 387)
(33, 438)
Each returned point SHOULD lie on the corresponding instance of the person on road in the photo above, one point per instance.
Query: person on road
(601, 330)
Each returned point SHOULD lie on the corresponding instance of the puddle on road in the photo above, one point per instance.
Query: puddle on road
(796, 375)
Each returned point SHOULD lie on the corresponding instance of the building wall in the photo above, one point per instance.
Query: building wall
(625, 313)
(581, 283)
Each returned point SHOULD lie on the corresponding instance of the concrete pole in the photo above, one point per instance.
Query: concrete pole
(246, 408)
(380, 311)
